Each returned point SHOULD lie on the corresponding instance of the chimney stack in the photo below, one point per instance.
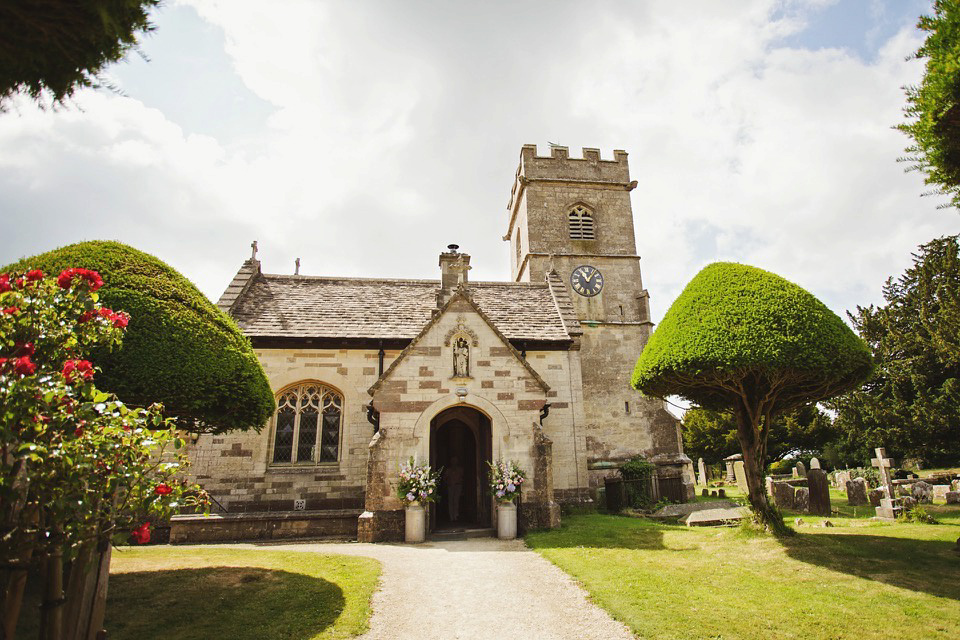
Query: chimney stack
(453, 272)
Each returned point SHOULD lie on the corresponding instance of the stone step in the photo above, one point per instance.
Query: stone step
(461, 534)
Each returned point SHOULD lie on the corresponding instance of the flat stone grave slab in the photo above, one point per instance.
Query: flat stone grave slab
(715, 517)
(678, 510)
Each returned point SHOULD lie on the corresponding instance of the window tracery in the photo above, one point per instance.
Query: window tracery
(581, 223)
(307, 424)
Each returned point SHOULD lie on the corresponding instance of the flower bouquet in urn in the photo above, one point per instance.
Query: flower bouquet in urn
(418, 483)
(505, 480)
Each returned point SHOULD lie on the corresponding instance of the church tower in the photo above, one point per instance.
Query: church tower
(570, 219)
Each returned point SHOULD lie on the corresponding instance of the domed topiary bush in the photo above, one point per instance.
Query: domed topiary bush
(742, 339)
(179, 349)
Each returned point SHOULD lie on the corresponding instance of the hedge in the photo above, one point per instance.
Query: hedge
(179, 349)
(733, 322)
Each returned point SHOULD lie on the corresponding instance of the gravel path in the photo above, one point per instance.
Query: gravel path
(476, 588)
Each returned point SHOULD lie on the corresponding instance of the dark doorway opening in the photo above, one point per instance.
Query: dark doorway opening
(461, 446)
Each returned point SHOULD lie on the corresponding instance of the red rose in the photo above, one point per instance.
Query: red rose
(78, 431)
(3, 361)
(163, 489)
(23, 366)
(33, 276)
(142, 533)
(86, 316)
(92, 278)
(120, 320)
(11, 310)
(75, 368)
(5, 283)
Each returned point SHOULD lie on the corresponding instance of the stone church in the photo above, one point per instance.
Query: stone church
(368, 372)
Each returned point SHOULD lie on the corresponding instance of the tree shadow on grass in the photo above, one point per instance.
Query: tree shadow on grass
(928, 566)
(603, 532)
(238, 603)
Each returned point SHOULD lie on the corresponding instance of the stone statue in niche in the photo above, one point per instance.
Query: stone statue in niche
(461, 358)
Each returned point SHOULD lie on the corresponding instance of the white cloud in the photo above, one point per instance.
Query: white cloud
(395, 129)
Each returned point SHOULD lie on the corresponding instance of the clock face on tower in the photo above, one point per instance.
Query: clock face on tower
(586, 281)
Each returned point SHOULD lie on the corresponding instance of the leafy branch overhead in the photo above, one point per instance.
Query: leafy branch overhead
(933, 109)
(54, 47)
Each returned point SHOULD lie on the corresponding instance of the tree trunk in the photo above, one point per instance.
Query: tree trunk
(13, 579)
(51, 612)
(753, 447)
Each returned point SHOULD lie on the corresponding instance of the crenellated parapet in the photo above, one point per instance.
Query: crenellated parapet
(560, 167)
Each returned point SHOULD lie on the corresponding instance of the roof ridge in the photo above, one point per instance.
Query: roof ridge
(290, 276)
(563, 303)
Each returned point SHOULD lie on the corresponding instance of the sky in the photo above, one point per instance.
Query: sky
(363, 137)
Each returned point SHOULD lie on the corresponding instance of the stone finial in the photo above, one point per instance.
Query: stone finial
(296, 267)
(253, 245)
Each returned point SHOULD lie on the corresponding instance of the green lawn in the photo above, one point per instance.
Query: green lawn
(858, 579)
(237, 594)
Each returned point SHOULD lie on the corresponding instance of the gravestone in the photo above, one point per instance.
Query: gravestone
(721, 493)
(841, 478)
(741, 475)
(922, 492)
(890, 506)
(705, 492)
(801, 470)
(908, 502)
(801, 500)
(783, 495)
(795, 474)
(729, 461)
(769, 484)
(953, 497)
(702, 470)
(819, 490)
(814, 464)
(955, 485)
(940, 491)
(857, 492)
(875, 496)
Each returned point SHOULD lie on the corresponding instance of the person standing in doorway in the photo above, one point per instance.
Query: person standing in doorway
(453, 480)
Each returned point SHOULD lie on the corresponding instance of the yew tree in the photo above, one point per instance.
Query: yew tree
(744, 340)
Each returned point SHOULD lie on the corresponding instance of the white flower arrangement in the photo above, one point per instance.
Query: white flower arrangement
(418, 483)
(505, 480)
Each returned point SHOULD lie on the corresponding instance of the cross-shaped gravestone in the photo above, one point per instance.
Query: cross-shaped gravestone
(883, 463)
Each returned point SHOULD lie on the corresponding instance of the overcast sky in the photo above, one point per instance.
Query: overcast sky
(363, 137)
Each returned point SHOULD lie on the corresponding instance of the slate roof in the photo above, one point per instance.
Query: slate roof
(287, 306)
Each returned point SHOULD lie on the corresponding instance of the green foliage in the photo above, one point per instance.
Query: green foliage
(911, 405)
(735, 323)
(55, 47)
(637, 468)
(933, 111)
(712, 435)
(917, 515)
(780, 467)
(179, 349)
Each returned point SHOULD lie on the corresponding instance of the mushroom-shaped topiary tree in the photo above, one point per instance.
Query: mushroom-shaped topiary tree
(179, 349)
(744, 340)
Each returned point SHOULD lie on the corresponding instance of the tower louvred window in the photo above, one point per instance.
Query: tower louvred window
(581, 224)
(307, 425)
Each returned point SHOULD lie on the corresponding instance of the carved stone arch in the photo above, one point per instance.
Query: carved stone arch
(499, 424)
(461, 328)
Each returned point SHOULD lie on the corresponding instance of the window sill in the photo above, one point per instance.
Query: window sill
(293, 469)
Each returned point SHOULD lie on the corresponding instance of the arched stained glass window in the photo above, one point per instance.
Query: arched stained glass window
(581, 224)
(307, 424)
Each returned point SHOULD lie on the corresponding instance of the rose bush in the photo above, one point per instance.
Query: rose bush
(78, 468)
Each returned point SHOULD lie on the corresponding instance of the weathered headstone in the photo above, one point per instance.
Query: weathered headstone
(940, 491)
(857, 492)
(908, 502)
(814, 464)
(875, 496)
(890, 506)
(955, 485)
(801, 499)
(702, 470)
(922, 492)
(729, 462)
(841, 478)
(741, 475)
(769, 484)
(819, 490)
(783, 495)
(705, 492)
(721, 493)
(795, 473)
(801, 470)
(953, 497)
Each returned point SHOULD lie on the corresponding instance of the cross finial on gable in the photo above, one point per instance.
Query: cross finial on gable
(460, 267)
(253, 245)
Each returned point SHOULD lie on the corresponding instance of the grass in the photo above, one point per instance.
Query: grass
(858, 579)
(198, 594)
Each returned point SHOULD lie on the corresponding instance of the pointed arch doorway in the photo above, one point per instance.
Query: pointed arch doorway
(460, 438)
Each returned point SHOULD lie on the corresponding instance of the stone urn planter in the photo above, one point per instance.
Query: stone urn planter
(506, 520)
(416, 523)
